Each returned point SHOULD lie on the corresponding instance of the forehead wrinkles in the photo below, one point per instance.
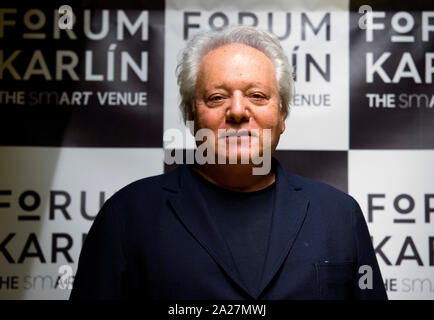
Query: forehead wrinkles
(239, 61)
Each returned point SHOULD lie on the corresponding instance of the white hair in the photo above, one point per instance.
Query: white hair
(203, 43)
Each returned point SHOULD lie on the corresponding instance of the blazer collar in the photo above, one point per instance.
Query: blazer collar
(289, 211)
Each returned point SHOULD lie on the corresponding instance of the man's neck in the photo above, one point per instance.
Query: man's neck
(237, 177)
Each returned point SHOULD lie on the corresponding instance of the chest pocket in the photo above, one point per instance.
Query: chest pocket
(335, 280)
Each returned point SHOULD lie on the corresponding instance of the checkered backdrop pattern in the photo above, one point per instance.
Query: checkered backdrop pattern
(83, 112)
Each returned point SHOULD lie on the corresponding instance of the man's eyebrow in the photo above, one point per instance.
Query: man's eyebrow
(247, 86)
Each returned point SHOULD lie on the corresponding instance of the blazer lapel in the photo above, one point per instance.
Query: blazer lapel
(289, 211)
(190, 208)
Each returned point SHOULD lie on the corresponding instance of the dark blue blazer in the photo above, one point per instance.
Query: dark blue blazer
(154, 239)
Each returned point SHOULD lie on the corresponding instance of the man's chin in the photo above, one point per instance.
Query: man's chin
(241, 157)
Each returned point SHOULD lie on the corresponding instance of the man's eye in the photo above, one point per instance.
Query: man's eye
(257, 96)
(216, 98)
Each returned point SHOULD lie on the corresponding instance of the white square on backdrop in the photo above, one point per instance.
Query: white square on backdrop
(398, 181)
(320, 121)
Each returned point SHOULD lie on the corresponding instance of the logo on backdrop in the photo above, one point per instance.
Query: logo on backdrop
(22, 246)
(392, 70)
(91, 70)
(297, 31)
(413, 248)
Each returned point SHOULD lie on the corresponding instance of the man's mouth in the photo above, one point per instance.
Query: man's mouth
(241, 133)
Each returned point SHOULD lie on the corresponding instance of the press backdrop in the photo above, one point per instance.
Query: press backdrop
(83, 112)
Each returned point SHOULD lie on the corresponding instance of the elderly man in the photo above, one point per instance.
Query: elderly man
(217, 229)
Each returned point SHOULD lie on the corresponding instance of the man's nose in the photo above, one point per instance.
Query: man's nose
(238, 110)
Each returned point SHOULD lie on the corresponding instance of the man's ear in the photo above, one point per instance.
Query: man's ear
(283, 115)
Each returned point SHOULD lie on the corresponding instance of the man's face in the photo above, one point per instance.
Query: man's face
(236, 89)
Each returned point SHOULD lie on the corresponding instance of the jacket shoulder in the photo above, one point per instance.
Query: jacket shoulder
(320, 191)
(149, 187)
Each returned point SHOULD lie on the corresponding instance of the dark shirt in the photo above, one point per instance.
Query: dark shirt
(243, 218)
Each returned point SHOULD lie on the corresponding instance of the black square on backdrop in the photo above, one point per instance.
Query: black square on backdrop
(48, 117)
(397, 72)
(330, 167)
